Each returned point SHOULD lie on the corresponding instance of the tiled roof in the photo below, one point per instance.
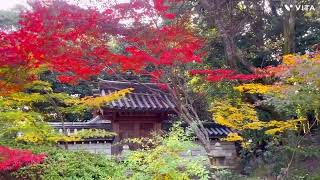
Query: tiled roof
(216, 131)
(145, 97)
(94, 123)
(213, 129)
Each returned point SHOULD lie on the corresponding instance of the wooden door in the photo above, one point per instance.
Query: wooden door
(126, 130)
(145, 129)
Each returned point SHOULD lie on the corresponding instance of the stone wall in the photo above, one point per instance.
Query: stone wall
(224, 154)
(101, 148)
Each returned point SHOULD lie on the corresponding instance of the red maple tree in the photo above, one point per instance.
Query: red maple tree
(72, 41)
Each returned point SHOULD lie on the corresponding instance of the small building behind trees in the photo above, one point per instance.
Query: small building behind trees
(147, 109)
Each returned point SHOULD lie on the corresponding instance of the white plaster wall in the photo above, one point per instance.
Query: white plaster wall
(224, 150)
(101, 148)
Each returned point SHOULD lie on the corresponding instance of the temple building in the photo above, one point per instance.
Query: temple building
(147, 109)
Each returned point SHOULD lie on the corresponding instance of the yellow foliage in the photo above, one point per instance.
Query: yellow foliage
(232, 137)
(258, 88)
(294, 79)
(63, 138)
(235, 117)
(317, 57)
(242, 116)
(30, 137)
(289, 59)
(101, 100)
(254, 125)
(53, 137)
(281, 126)
(197, 84)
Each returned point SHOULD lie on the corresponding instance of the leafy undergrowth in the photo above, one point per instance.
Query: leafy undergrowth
(303, 160)
(62, 164)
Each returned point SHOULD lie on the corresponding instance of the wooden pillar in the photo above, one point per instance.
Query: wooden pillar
(115, 149)
(136, 127)
(157, 126)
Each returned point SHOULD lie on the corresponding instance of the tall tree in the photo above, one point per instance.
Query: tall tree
(229, 18)
(289, 24)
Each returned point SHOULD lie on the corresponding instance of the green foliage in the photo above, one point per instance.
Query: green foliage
(263, 156)
(83, 88)
(164, 160)
(39, 86)
(300, 100)
(61, 164)
(225, 174)
(13, 122)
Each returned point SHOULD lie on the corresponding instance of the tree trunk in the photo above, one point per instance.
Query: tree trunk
(224, 22)
(60, 117)
(289, 23)
(197, 126)
(188, 114)
(229, 44)
(259, 25)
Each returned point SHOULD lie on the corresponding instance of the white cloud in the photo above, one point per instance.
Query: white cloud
(9, 4)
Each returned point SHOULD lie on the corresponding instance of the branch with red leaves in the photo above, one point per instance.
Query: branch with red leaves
(225, 74)
(72, 41)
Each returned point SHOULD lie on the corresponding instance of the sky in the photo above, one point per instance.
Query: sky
(8, 4)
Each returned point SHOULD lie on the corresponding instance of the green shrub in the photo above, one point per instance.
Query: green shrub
(225, 174)
(164, 160)
(61, 164)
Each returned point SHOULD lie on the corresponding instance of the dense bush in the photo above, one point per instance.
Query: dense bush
(164, 159)
(158, 158)
(61, 164)
(224, 174)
